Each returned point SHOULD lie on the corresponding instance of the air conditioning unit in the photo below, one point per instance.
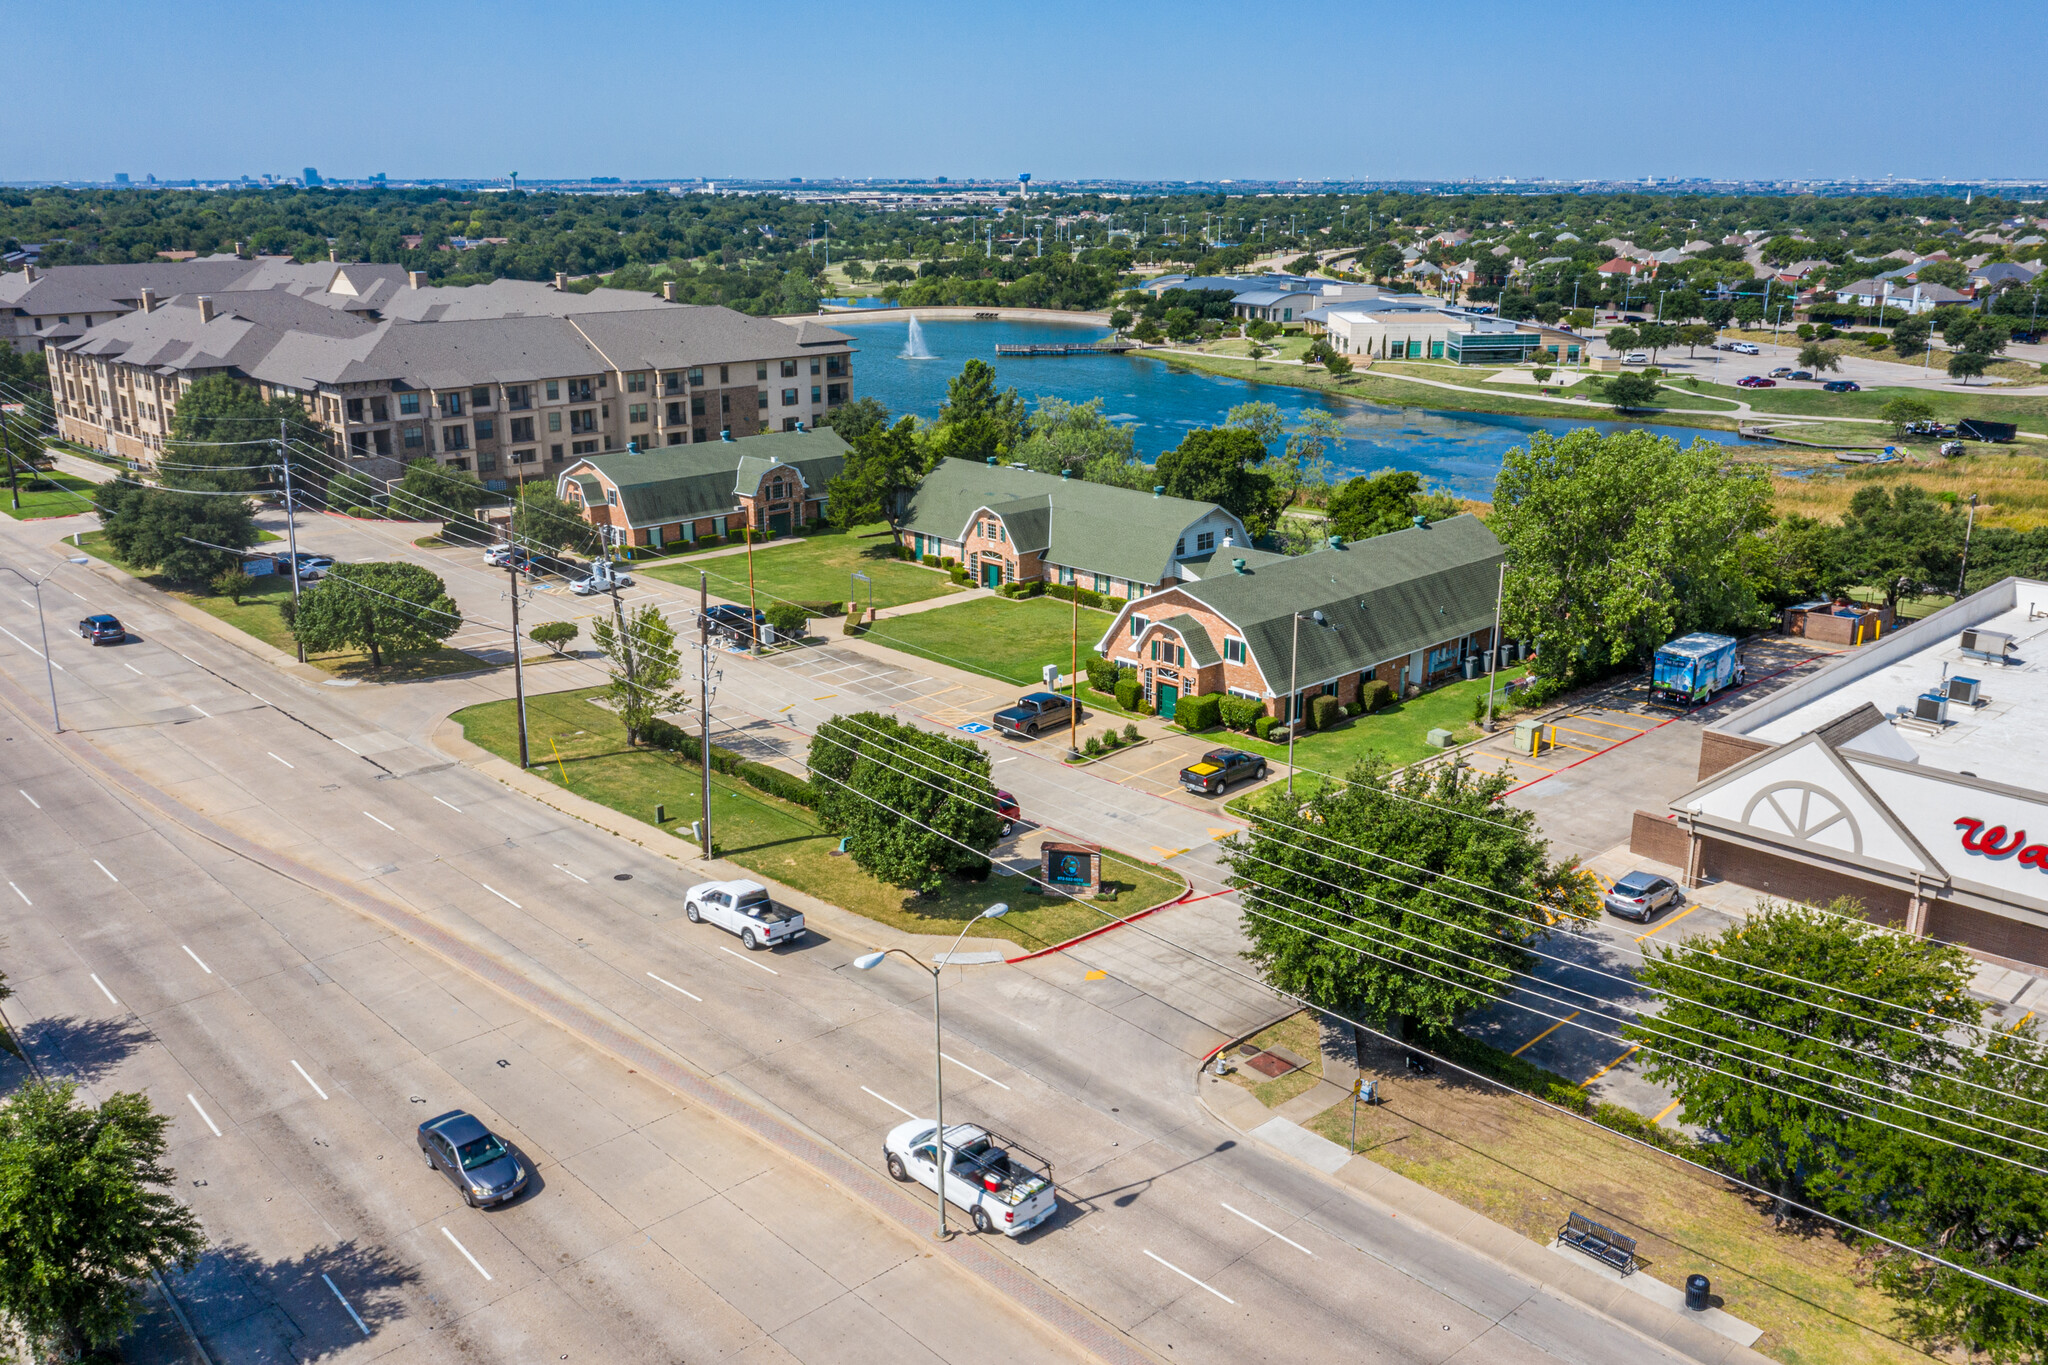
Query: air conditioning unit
(1931, 707)
(1991, 644)
(1965, 691)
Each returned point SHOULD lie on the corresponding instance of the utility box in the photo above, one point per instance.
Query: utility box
(1441, 739)
(1528, 737)
(1965, 691)
(1931, 707)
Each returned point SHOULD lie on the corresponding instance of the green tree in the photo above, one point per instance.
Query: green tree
(554, 634)
(1622, 340)
(545, 522)
(1910, 334)
(1696, 335)
(1072, 437)
(882, 464)
(233, 584)
(1901, 539)
(1304, 464)
(1902, 409)
(914, 806)
(1968, 365)
(978, 420)
(1221, 465)
(181, 535)
(1632, 392)
(856, 417)
(1263, 420)
(220, 426)
(1372, 505)
(1615, 543)
(429, 491)
(1396, 897)
(643, 664)
(1774, 1026)
(1655, 336)
(350, 489)
(1948, 273)
(85, 1212)
(379, 608)
(1818, 358)
(1120, 321)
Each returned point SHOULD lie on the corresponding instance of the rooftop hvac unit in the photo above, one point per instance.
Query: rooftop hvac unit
(1991, 644)
(1931, 707)
(1965, 691)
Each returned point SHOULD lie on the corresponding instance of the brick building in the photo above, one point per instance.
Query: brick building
(774, 483)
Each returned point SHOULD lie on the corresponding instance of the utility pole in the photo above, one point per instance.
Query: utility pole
(618, 614)
(291, 525)
(518, 667)
(704, 695)
(1499, 592)
(7, 448)
(1963, 573)
(1074, 677)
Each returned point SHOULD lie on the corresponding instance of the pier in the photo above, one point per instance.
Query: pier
(1068, 348)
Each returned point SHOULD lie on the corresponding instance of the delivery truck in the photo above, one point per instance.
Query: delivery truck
(1692, 668)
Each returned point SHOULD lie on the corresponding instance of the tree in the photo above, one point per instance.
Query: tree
(913, 806)
(855, 417)
(1632, 392)
(1655, 336)
(1615, 543)
(1910, 334)
(1120, 320)
(429, 491)
(643, 664)
(378, 608)
(1304, 466)
(1967, 365)
(350, 489)
(1901, 539)
(1818, 358)
(1262, 420)
(546, 523)
(1903, 409)
(1948, 273)
(1622, 340)
(1073, 437)
(187, 537)
(977, 420)
(1696, 335)
(233, 584)
(554, 634)
(1304, 265)
(882, 463)
(1220, 465)
(220, 426)
(1372, 505)
(1773, 1026)
(85, 1212)
(1397, 897)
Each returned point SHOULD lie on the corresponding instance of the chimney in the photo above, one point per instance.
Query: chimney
(1158, 490)
(561, 279)
(32, 273)
(206, 308)
(333, 255)
(239, 247)
(416, 279)
(146, 301)
(1238, 566)
(668, 290)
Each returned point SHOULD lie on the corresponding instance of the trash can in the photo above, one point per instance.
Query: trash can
(1696, 1293)
(1471, 667)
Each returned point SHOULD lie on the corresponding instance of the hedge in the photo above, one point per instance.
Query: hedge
(1241, 713)
(1375, 695)
(1199, 712)
(1067, 591)
(661, 734)
(1102, 674)
(930, 561)
(1263, 726)
(1324, 711)
(1129, 691)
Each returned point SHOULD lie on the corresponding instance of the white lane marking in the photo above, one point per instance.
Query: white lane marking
(389, 827)
(23, 894)
(565, 871)
(1269, 1232)
(323, 1094)
(286, 764)
(345, 1304)
(252, 694)
(196, 707)
(674, 987)
(195, 957)
(26, 645)
(465, 1254)
(26, 603)
(103, 867)
(187, 657)
(1191, 1279)
(103, 987)
(203, 1114)
(748, 960)
(892, 1104)
(964, 1067)
(133, 669)
(451, 806)
(1011, 759)
(499, 894)
(30, 799)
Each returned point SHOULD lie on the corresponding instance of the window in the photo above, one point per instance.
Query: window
(383, 439)
(789, 369)
(583, 448)
(1205, 541)
(455, 437)
(761, 399)
(675, 414)
(1233, 651)
(725, 402)
(816, 365)
(355, 409)
(761, 371)
(636, 383)
(789, 398)
(725, 374)
(835, 394)
(672, 382)
(522, 428)
(636, 414)
(451, 404)
(814, 393)
(518, 397)
(696, 405)
(582, 419)
(554, 390)
(486, 429)
(1180, 547)
(484, 462)
(479, 398)
(579, 391)
(525, 456)
(555, 452)
(415, 437)
(554, 420)
(408, 404)
(696, 377)
(1138, 623)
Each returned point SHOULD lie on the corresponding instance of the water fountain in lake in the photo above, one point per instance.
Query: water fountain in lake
(913, 346)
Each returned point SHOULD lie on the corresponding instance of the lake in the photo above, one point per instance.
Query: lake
(1459, 451)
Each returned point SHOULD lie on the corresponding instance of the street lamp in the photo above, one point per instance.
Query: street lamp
(56, 725)
(1293, 694)
(868, 962)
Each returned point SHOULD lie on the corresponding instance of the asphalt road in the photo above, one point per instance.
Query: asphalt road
(223, 980)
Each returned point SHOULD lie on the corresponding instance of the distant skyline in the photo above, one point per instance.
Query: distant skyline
(1184, 91)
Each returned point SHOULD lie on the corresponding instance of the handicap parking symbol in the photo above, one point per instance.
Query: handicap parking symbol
(974, 727)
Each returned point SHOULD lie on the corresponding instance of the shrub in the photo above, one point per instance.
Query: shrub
(949, 563)
(1093, 747)
(232, 584)
(365, 513)
(851, 626)
(1324, 711)
(816, 609)
(1130, 693)
(1131, 733)
(1199, 712)
(1263, 726)
(930, 561)
(1111, 741)
(956, 573)
(1376, 695)
(775, 782)
(1240, 713)
(1066, 592)
(789, 620)
(555, 634)
(1102, 674)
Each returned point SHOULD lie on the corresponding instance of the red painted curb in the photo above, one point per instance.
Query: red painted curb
(1181, 899)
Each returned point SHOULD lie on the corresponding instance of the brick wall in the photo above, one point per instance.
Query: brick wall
(1983, 932)
(1658, 839)
(1789, 880)
(1719, 752)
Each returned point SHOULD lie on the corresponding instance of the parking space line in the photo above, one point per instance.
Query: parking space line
(133, 669)
(457, 809)
(748, 960)
(465, 1254)
(21, 893)
(1667, 923)
(1269, 1232)
(1609, 1067)
(195, 957)
(345, 1304)
(203, 1114)
(103, 989)
(288, 765)
(309, 1080)
(196, 707)
(500, 895)
(964, 1067)
(1665, 1110)
(103, 867)
(1582, 734)
(1191, 1279)
(1545, 1034)
(677, 989)
(389, 827)
(891, 1103)
(30, 799)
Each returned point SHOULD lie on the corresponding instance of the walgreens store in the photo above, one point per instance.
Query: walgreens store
(1911, 774)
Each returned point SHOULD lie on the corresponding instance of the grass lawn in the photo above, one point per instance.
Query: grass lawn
(583, 747)
(66, 495)
(1301, 1035)
(817, 568)
(2029, 410)
(1003, 638)
(1400, 731)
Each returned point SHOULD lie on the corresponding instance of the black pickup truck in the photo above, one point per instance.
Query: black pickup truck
(1035, 713)
(1220, 768)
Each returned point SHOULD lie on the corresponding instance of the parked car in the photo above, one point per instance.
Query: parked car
(1842, 386)
(738, 620)
(102, 630)
(1782, 372)
(1633, 317)
(313, 568)
(600, 582)
(1755, 381)
(1035, 713)
(1804, 375)
(1006, 806)
(1746, 348)
(1219, 769)
(499, 555)
(1640, 895)
(478, 1161)
(743, 908)
(984, 1175)
(1636, 358)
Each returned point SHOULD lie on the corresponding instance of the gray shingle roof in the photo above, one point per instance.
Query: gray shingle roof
(678, 336)
(1096, 527)
(1195, 636)
(681, 483)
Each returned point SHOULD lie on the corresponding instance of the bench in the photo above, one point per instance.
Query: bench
(1600, 1242)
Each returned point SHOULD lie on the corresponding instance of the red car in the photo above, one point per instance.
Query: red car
(1755, 381)
(1006, 806)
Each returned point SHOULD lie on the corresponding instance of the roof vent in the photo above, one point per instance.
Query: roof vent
(1421, 522)
(416, 279)
(1065, 473)
(205, 302)
(1158, 490)
(725, 435)
(1336, 542)
(992, 462)
(1238, 565)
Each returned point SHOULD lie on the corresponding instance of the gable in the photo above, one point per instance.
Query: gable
(1806, 795)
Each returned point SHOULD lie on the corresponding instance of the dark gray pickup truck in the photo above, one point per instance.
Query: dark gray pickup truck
(1035, 713)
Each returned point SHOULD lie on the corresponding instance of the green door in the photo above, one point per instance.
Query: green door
(778, 524)
(992, 575)
(1169, 697)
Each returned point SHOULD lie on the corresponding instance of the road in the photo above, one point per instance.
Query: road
(232, 975)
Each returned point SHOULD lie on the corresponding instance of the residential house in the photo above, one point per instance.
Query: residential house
(1897, 293)
(1010, 524)
(1408, 608)
(774, 483)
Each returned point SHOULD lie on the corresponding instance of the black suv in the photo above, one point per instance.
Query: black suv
(102, 630)
(1220, 768)
(1034, 714)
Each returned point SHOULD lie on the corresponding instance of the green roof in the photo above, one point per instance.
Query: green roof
(1095, 527)
(1386, 597)
(681, 483)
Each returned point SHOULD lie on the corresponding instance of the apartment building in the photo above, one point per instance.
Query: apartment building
(510, 380)
(47, 305)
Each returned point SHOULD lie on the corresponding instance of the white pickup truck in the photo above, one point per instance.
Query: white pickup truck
(1000, 1192)
(744, 908)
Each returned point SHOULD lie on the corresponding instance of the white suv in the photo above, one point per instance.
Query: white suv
(744, 908)
(1746, 348)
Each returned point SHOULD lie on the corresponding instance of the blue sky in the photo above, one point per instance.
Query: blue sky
(1188, 90)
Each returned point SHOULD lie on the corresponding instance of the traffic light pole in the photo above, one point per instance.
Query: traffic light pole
(704, 695)
(291, 526)
(518, 665)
